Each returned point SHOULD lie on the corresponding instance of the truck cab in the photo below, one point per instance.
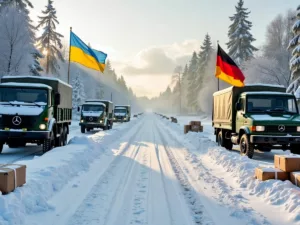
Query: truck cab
(31, 111)
(122, 113)
(257, 118)
(96, 113)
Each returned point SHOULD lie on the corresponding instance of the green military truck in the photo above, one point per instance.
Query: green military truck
(96, 114)
(261, 117)
(122, 113)
(34, 110)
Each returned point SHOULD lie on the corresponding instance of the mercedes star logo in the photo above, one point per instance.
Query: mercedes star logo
(16, 120)
(91, 118)
(281, 128)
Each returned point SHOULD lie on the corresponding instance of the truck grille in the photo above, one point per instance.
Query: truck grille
(91, 119)
(275, 129)
(26, 121)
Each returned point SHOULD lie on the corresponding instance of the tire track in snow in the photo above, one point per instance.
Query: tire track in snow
(234, 201)
(196, 208)
(96, 207)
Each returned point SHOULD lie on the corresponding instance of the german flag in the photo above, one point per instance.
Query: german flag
(227, 70)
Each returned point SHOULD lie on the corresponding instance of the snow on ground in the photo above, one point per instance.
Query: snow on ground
(48, 174)
(229, 178)
(147, 172)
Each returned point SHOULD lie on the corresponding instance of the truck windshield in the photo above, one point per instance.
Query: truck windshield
(17, 95)
(120, 110)
(92, 108)
(271, 103)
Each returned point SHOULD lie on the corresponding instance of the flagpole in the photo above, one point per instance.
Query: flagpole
(69, 56)
(218, 78)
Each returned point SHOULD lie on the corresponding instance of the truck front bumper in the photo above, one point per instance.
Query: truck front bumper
(280, 140)
(92, 125)
(26, 135)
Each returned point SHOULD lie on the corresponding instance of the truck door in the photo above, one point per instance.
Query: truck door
(240, 119)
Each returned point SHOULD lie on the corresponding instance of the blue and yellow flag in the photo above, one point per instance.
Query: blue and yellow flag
(86, 56)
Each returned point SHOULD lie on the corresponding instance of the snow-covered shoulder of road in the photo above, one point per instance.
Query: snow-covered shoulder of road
(230, 178)
(48, 174)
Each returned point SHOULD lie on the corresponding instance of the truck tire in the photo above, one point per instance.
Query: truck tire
(65, 136)
(88, 129)
(82, 129)
(49, 143)
(246, 148)
(220, 139)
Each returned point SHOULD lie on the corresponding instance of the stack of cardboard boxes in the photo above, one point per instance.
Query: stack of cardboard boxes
(11, 177)
(194, 126)
(287, 167)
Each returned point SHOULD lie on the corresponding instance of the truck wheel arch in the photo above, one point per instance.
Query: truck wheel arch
(243, 130)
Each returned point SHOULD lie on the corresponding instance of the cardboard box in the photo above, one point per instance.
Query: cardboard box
(295, 178)
(11, 177)
(187, 128)
(271, 173)
(287, 163)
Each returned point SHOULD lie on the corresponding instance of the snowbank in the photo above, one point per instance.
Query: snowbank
(275, 192)
(47, 175)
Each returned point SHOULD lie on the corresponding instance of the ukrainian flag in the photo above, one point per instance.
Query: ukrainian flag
(86, 56)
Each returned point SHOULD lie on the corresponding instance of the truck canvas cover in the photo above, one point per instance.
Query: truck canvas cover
(57, 85)
(224, 103)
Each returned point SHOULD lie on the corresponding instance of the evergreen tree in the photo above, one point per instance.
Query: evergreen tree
(205, 54)
(79, 95)
(50, 39)
(295, 46)
(192, 84)
(122, 84)
(19, 4)
(99, 94)
(36, 68)
(240, 38)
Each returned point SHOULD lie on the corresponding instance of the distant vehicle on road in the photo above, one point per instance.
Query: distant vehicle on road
(122, 113)
(96, 113)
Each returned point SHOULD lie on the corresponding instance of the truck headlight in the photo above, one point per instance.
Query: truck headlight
(42, 126)
(260, 128)
(101, 121)
(81, 121)
(298, 129)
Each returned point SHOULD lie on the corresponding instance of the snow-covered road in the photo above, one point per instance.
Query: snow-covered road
(147, 172)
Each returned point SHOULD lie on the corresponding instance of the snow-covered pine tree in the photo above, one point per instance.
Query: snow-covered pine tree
(79, 95)
(295, 60)
(36, 68)
(99, 94)
(192, 83)
(204, 56)
(50, 40)
(19, 4)
(184, 88)
(240, 38)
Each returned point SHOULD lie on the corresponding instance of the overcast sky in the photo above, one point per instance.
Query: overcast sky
(146, 39)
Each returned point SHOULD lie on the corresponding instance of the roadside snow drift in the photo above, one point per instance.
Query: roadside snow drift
(204, 152)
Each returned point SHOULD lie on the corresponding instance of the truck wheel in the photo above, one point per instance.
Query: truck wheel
(49, 143)
(88, 129)
(246, 148)
(220, 139)
(65, 136)
(82, 129)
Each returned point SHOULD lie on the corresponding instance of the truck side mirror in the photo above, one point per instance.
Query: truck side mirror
(238, 106)
(78, 108)
(57, 99)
